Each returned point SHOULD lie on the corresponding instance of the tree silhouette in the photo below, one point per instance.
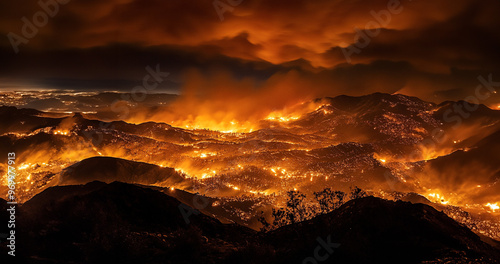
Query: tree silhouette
(356, 193)
(295, 211)
(265, 225)
(329, 199)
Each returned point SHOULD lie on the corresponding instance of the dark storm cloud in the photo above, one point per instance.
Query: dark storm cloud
(119, 66)
(434, 50)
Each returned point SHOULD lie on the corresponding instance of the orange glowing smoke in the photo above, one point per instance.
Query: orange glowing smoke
(221, 103)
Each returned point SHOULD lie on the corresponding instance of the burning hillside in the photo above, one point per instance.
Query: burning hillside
(384, 144)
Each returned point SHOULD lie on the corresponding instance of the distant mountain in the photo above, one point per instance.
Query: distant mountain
(23, 120)
(474, 170)
(378, 118)
(120, 222)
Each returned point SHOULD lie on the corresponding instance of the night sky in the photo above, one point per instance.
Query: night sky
(435, 50)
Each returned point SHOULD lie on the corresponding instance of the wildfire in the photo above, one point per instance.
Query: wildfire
(278, 171)
(233, 187)
(493, 207)
(438, 198)
(282, 118)
(232, 126)
(59, 132)
(207, 154)
(24, 166)
(296, 112)
(380, 158)
(181, 171)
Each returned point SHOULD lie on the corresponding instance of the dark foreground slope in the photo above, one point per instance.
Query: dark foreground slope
(4, 230)
(373, 230)
(123, 223)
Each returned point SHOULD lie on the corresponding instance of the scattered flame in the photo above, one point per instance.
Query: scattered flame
(273, 117)
(200, 123)
(233, 186)
(181, 171)
(493, 207)
(24, 166)
(207, 154)
(59, 132)
(438, 198)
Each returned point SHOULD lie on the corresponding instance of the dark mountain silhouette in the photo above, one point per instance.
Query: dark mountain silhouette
(4, 230)
(122, 223)
(109, 169)
(126, 223)
(23, 120)
(372, 230)
(481, 160)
